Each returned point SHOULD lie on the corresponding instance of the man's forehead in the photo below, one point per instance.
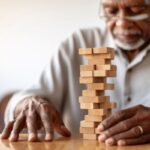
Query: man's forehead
(124, 2)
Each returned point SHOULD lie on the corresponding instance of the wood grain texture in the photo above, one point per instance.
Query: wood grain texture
(103, 50)
(85, 51)
(95, 99)
(89, 105)
(92, 93)
(88, 124)
(86, 80)
(63, 143)
(100, 86)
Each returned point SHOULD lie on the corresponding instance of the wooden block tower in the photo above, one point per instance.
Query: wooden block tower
(93, 99)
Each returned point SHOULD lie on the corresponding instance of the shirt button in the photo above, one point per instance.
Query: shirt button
(129, 99)
(130, 70)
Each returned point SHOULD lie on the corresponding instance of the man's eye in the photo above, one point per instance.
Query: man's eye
(111, 11)
(137, 9)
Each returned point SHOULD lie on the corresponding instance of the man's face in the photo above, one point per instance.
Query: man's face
(128, 35)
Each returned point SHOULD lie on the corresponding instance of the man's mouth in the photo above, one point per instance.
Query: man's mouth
(127, 35)
(130, 38)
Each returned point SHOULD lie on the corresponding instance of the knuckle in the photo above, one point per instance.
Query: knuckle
(45, 107)
(117, 137)
(136, 131)
(137, 117)
(124, 126)
(117, 115)
(140, 107)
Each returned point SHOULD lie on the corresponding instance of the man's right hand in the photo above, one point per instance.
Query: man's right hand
(33, 113)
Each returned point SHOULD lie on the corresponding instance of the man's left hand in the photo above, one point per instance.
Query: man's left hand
(127, 127)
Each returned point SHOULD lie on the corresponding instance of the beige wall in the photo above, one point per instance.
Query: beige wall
(30, 31)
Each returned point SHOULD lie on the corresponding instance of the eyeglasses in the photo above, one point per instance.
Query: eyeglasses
(139, 17)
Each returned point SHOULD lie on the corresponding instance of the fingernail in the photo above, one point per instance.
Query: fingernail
(32, 138)
(101, 127)
(121, 143)
(48, 137)
(102, 137)
(13, 138)
(3, 136)
(110, 141)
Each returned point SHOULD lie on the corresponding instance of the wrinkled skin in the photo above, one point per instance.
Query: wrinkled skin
(33, 113)
(121, 128)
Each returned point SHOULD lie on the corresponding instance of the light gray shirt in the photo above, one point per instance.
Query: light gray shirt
(59, 81)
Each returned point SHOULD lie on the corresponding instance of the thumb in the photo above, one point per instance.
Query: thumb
(61, 129)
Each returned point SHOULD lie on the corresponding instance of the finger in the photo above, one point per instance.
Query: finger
(45, 118)
(117, 117)
(132, 133)
(17, 127)
(31, 123)
(118, 128)
(58, 124)
(7, 130)
(135, 141)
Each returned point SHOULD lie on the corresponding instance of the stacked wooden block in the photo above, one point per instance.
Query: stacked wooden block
(93, 99)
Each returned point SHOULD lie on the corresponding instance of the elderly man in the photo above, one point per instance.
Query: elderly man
(52, 102)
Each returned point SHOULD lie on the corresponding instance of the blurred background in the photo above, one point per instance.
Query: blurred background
(30, 31)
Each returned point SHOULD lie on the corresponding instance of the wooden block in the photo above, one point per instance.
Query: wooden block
(100, 73)
(101, 105)
(95, 112)
(92, 93)
(95, 99)
(87, 130)
(90, 136)
(106, 67)
(87, 67)
(104, 73)
(109, 86)
(108, 112)
(89, 105)
(94, 118)
(88, 124)
(111, 105)
(86, 74)
(99, 61)
(100, 56)
(85, 51)
(111, 73)
(100, 86)
(103, 50)
(86, 80)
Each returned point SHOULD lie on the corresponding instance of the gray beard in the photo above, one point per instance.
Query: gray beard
(129, 47)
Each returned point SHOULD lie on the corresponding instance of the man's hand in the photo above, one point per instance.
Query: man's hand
(33, 113)
(127, 127)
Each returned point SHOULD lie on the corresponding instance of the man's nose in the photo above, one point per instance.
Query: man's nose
(122, 21)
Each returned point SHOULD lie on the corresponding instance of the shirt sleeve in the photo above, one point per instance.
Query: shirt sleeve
(55, 79)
